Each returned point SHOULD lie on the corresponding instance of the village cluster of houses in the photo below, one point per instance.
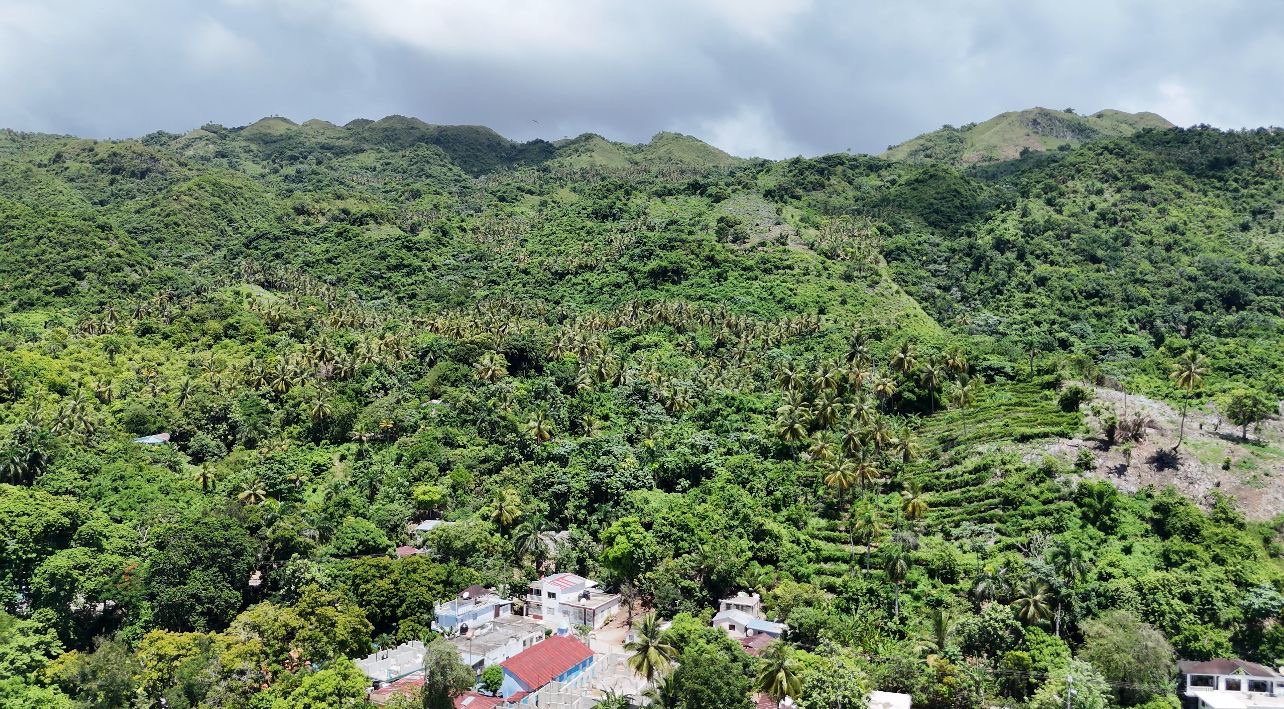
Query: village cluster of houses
(545, 663)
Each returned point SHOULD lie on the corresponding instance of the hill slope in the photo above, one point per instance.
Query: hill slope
(892, 396)
(1009, 135)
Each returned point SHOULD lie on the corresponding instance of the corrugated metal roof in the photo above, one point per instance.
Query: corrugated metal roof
(1225, 666)
(538, 664)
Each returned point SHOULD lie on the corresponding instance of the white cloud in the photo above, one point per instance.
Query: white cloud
(749, 131)
(214, 47)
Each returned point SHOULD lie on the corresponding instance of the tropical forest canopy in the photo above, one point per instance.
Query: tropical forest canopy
(836, 381)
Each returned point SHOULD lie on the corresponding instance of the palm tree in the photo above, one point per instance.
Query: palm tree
(491, 367)
(915, 504)
(867, 527)
(778, 674)
(935, 638)
(614, 700)
(897, 565)
(319, 408)
(540, 427)
(1032, 602)
(1070, 564)
(185, 392)
(205, 477)
(905, 360)
(254, 493)
(840, 475)
(1188, 374)
(662, 694)
(930, 376)
(650, 655)
(506, 508)
(991, 584)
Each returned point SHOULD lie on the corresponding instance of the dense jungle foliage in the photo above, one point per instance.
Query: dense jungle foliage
(807, 378)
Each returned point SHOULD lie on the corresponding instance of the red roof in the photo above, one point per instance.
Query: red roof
(538, 664)
(404, 686)
(404, 550)
(754, 644)
(473, 700)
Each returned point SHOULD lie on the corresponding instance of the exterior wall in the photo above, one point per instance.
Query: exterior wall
(733, 629)
(511, 686)
(1274, 686)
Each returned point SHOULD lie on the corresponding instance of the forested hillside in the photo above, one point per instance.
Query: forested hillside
(848, 383)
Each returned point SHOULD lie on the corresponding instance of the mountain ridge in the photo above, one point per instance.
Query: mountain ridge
(1012, 134)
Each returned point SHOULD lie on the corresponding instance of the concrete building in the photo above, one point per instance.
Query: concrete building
(491, 642)
(741, 616)
(556, 659)
(1230, 684)
(564, 601)
(391, 664)
(474, 605)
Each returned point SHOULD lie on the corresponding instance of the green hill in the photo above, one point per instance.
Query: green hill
(925, 409)
(1016, 133)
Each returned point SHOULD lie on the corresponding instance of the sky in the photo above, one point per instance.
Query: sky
(754, 77)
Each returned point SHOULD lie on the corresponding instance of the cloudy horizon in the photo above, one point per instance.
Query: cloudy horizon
(772, 79)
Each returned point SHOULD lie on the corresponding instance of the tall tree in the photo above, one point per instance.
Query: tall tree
(1188, 374)
(778, 672)
(649, 655)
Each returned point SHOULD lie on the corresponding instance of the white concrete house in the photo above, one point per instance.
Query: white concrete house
(1230, 684)
(474, 605)
(564, 601)
(391, 664)
(493, 641)
(741, 616)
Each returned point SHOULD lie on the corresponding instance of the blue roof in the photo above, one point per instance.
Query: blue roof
(153, 440)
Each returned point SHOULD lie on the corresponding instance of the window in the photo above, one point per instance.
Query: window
(731, 626)
(551, 594)
(1203, 681)
(1257, 685)
(1232, 684)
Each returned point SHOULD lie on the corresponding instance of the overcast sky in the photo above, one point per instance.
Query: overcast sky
(753, 77)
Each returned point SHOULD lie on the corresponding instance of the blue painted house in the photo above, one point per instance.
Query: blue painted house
(555, 659)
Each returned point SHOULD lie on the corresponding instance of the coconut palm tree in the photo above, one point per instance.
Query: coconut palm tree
(897, 565)
(991, 584)
(253, 494)
(840, 475)
(614, 700)
(935, 637)
(905, 360)
(778, 672)
(663, 694)
(930, 375)
(1188, 374)
(914, 503)
(205, 477)
(506, 508)
(867, 527)
(649, 655)
(539, 426)
(1033, 602)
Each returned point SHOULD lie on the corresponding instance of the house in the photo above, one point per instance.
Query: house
(568, 600)
(555, 659)
(386, 666)
(1229, 684)
(406, 550)
(420, 530)
(739, 624)
(490, 642)
(889, 700)
(741, 616)
(744, 602)
(474, 700)
(474, 605)
(155, 439)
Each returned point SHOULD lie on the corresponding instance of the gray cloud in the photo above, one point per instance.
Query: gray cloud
(765, 77)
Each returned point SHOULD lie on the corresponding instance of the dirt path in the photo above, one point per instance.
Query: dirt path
(1255, 475)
